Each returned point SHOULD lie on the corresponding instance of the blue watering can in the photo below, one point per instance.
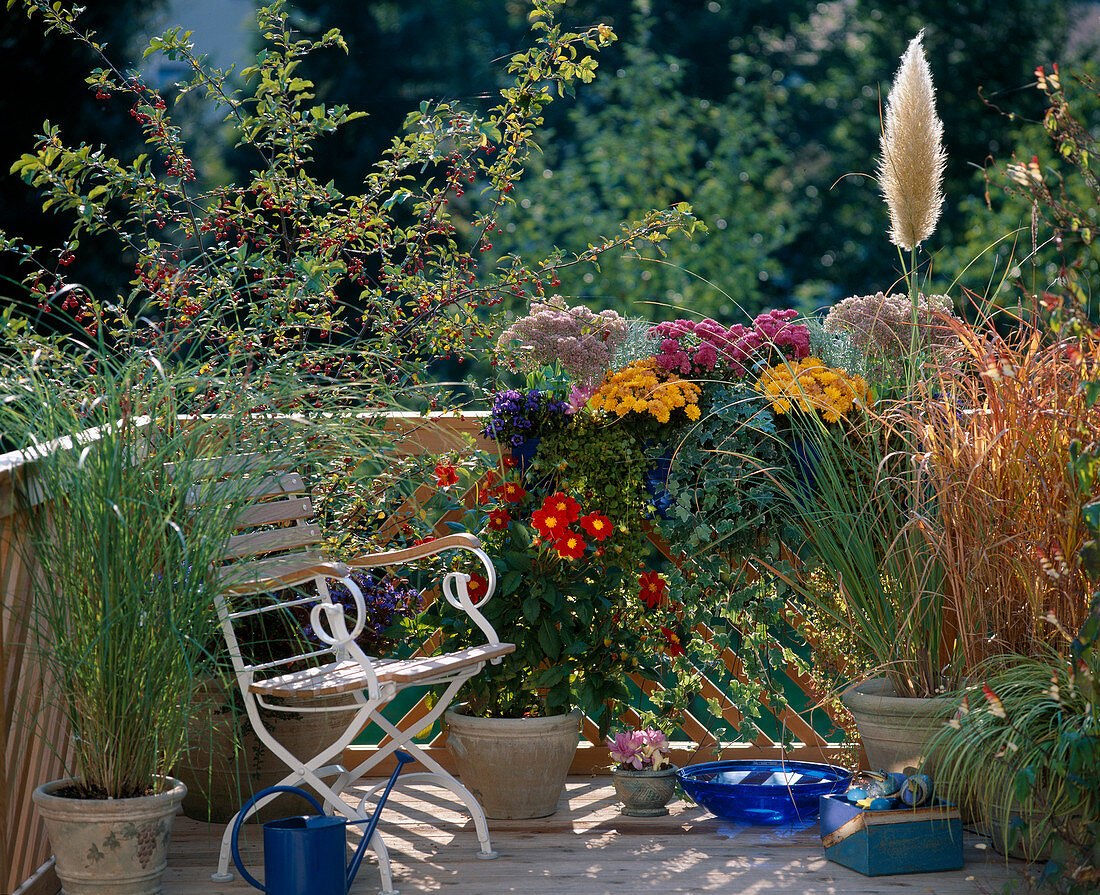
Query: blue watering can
(305, 855)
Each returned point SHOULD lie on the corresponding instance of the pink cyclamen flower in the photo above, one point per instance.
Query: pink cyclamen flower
(654, 740)
(626, 749)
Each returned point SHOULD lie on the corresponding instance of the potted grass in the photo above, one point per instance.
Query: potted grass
(123, 618)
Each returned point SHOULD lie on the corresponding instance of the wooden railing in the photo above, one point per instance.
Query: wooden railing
(34, 740)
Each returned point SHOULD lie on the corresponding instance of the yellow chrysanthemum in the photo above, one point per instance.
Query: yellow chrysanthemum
(811, 386)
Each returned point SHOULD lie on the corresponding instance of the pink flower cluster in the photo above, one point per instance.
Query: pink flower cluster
(641, 750)
(697, 347)
(581, 341)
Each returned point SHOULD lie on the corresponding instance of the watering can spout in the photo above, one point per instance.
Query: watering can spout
(357, 859)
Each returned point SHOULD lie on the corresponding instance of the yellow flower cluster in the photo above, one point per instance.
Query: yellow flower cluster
(641, 387)
(810, 385)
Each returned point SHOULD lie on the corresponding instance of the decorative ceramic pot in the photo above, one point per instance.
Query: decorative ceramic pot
(515, 767)
(644, 793)
(226, 763)
(895, 729)
(109, 846)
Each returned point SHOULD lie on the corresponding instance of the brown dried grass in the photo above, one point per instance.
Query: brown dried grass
(1008, 514)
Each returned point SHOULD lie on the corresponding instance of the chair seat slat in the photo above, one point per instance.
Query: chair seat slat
(286, 660)
(348, 676)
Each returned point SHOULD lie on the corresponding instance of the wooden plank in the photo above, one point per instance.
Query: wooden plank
(231, 465)
(592, 758)
(262, 575)
(409, 671)
(275, 511)
(258, 542)
(248, 490)
(30, 725)
(588, 848)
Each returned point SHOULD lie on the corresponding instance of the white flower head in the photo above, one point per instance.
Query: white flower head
(910, 170)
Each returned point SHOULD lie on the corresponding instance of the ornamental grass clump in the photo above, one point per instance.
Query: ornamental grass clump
(866, 567)
(123, 616)
(995, 452)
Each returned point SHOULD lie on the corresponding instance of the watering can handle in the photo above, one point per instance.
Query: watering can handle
(243, 813)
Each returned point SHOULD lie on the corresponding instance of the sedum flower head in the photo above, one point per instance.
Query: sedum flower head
(910, 170)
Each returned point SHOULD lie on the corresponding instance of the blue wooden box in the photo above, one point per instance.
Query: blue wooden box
(901, 840)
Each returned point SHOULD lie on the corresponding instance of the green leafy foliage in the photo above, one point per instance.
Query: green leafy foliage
(372, 285)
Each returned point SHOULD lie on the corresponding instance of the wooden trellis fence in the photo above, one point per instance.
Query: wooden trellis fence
(438, 435)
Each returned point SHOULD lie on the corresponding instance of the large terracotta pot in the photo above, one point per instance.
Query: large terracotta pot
(515, 767)
(226, 763)
(894, 729)
(109, 846)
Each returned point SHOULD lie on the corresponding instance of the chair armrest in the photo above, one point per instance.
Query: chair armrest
(454, 584)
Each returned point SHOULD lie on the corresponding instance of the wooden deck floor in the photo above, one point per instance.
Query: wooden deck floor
(589, 847)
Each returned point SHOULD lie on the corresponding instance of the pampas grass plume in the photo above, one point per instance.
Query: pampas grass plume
(910, 170)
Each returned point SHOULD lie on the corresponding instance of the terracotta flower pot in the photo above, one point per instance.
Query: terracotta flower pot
(109, 846)
(894, 729)
(644, 793)
(515, 767)
(226, 763)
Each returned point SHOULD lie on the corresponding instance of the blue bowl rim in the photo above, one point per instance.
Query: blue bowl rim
(832, 776)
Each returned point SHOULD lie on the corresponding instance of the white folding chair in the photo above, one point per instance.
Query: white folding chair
(273, 556)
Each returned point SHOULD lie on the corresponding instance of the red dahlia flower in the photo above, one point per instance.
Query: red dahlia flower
(599, 527)
(499, 519)
(445, 475)
(672, 642)
(510, 492)
(564, 505)
(550, 525)
(570, 545)
(477, 586)
(654, 588)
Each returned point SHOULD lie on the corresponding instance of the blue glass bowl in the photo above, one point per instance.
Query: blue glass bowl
(762, 792)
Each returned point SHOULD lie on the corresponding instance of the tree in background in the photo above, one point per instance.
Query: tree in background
(756, 112)
(56, 70)
(645, 139)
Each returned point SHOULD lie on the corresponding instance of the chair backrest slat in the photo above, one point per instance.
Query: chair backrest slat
(289, 509)
(253, 488)
(258, 576)
(276, 539)
(233, 466)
